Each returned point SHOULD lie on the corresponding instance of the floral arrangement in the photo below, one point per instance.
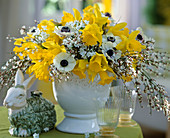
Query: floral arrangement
(89, 45)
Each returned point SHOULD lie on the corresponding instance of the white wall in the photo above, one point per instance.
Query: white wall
(129, 11)
(14, 14)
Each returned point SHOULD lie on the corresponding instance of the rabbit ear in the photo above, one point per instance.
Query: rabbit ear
(19, 77)
(28, 82)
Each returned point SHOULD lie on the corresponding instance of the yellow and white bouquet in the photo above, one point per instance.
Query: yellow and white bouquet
(89, 45)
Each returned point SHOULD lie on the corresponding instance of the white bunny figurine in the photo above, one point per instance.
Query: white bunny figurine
(28, 116)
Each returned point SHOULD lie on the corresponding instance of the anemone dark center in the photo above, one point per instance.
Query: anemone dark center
(139, 37)
(107, 14)
(112, 39)
(110, 52)
(65, 29)
(33, 30)
(115, 48)
(64, 63)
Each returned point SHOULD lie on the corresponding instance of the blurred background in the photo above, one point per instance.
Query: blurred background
(152, 15)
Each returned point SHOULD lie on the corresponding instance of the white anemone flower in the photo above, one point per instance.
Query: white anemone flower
(110, 51)
(109, 37)
(64, 62)
(108, 45)
(143, 36)
(34, 31)
(64, 30)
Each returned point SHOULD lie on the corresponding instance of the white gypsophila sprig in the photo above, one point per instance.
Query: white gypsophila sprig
(82, 52)
(90, 54)
(39, 35)
(61, 76)
(8, 71)
(23, 30)
(73, 41)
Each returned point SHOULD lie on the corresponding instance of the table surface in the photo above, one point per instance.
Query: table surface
(123, 132)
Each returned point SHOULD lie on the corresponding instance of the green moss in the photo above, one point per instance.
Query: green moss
(37, 115)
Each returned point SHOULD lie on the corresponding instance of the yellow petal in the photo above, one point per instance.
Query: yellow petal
(79, 73)
(120, 26)
(105, 78)
(97, 12)
(91, 75)
(95, 64)
(92, 34)
(49, 44)
(82, 63)
(122, 45)
(133, 34)
(80, 68)
(88, 9)
(99, 20)
(55, 38)
(18, 41)
(134, 46)
(77, 15)
(68, 17)
(143, 46)
(116, 30)
(89, 17)
(96, 6)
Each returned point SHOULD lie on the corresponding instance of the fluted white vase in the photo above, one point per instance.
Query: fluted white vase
(77, 98)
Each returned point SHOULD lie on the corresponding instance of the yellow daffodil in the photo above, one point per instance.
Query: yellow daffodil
(105, 78)
(19, 41)
(99, 20)
(68, 17)
(77, 15)
(93, 15)
(88, 9)
(27, 45)
(40, 70)
(96, 6)
(53, 48)
(130, 44)
(41, 60)
(116, 30)
(89, 14)
(98, 63)
(49, 26)
(50, 45)
(80, 68)
(92, 34)
(55, 38)
(89, 17)
(91, 75)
